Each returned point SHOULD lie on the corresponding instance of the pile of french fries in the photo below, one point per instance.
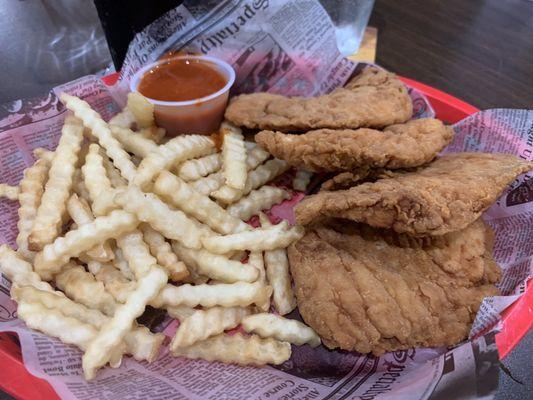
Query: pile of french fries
(118, 218)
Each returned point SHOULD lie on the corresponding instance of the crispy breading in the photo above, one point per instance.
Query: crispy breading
(326, 150)
(448, 195)
(386, 291)
(347, 179)
(375, 98)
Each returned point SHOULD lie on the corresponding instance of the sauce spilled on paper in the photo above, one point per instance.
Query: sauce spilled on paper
(181, 80)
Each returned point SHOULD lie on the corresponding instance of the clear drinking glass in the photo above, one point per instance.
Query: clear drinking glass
(350, 18)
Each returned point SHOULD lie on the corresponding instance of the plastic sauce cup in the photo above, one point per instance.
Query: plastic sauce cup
(196, 116)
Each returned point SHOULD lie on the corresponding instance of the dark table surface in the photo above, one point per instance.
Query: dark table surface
(480, 51)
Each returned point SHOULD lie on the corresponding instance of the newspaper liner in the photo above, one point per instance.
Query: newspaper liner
(468, 370)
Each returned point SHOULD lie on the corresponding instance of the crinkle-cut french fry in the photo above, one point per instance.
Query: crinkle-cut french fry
(124, 119)
(19, 271)
(287, 330)
(195, 278)
(67, 329)
(256, 155)
(208, 184)
(180, 312)
(113, 332)
(140, 342)
(143, 344)
(106, 273)
(226, 295)
(9, 192)
(97, 182)
(112, 173)
(134, 142)
(260, 199)
(278, 236)
(136, 252)
(31, 191)
(142, 110)
(53, 323)
(79, 187)
(82, 287)
(277, 271)
(205, 230)
(206, 323)
(179, 194)
(144, 267)
(57, 300)
(256, 260)
(54, 255)
(256, 178)
(216, 266)
(43, 154)
(52, 209)
(93, 266)
(301, 180)
(238, 349)
(122, 265)
(116, 284)
(91, 119)
(153, 133)
(197, 168)
(162, 251)
(121, 290)
(172, 224)
(240, 294)
(80, 212)
(178, 149)
(233, 156)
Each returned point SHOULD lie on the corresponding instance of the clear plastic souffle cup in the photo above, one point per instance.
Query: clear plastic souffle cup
(197, 116)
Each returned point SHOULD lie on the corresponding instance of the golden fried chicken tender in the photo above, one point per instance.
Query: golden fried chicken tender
(448, 195)
(375, 98)
(411, 144)
(375, 291)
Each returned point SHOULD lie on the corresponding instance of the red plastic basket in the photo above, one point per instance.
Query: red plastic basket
(517, 319)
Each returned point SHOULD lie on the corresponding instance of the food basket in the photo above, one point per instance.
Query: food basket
(516, 321)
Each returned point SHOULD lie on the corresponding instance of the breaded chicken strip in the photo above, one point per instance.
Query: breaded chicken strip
(375, 98)
(325, 150)
(448, 195)
(345, 180)
(365, 290)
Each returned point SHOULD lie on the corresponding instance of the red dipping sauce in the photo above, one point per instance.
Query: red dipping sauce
(190, 93)
(181, 80)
